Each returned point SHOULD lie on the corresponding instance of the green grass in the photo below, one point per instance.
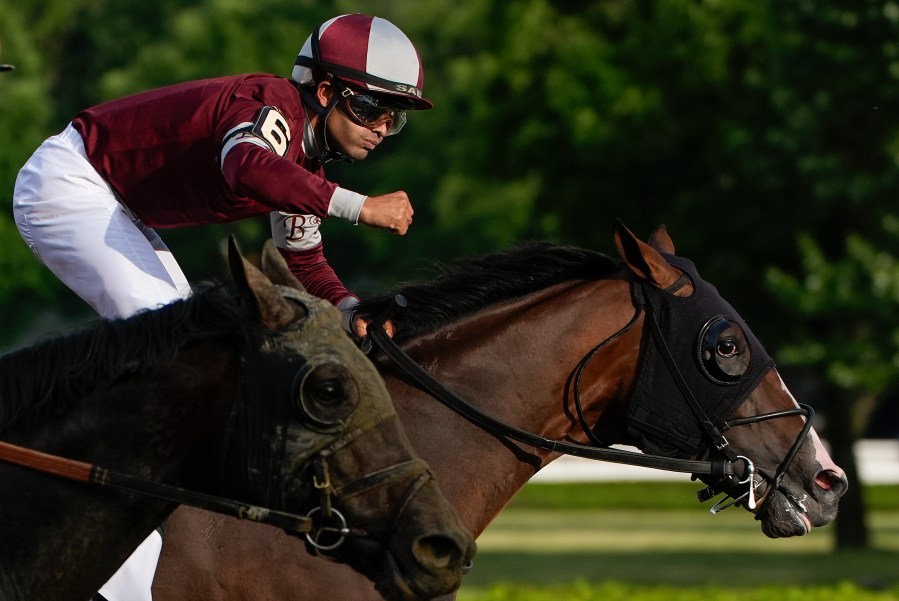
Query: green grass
(574, 541)
(616, 591)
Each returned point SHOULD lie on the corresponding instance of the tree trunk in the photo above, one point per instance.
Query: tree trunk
(851, 524)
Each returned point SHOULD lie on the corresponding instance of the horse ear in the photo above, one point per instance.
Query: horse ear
(661, 241)
(275, 312)
(275, 267)
(644, 260)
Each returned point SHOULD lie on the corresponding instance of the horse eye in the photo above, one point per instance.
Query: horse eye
(723, 352)
(328, 391)
(726, 348)
(327, 396)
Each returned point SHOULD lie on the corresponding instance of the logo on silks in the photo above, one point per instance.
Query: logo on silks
(716, 354)
(298, 226)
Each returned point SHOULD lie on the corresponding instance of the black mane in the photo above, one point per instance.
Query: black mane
(471, 284)
(46, 379)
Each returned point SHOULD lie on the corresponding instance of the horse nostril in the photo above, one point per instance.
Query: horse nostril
(437, 552)
(831, 482)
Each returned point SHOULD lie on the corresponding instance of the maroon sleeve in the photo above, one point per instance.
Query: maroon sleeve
(315, 274)
(275, 181)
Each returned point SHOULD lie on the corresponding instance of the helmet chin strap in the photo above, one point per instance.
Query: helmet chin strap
(315, 137)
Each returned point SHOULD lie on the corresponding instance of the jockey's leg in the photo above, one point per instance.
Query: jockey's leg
(133, 581)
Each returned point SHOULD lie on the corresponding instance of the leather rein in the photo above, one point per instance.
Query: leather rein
(79, 471)
(726, 474)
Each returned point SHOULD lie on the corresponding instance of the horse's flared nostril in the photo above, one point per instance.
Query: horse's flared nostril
(832, 483)
(440, 552)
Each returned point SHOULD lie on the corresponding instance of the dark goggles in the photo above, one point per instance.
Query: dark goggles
(368, 112)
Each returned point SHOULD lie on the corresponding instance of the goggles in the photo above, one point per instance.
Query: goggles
(368, 112)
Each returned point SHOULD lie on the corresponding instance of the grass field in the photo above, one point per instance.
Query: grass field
(654, 540)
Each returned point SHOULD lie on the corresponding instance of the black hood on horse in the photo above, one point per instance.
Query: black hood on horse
(702, 332)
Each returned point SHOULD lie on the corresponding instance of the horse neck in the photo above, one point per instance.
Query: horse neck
(160, 425)
(515, 362)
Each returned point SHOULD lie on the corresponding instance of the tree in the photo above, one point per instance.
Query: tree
(26, 110)
(845, 328)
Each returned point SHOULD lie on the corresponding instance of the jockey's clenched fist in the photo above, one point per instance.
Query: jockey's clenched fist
(389, 211)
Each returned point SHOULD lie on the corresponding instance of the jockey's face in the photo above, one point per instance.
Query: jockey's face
(346, 135)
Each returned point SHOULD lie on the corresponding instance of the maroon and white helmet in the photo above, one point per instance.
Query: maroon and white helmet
(368, 53)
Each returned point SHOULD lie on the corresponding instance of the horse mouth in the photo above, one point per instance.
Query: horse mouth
(394, 585)
(397, 584)
(783, 516)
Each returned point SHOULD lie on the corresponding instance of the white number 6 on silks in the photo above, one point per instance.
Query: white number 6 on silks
(272, 127)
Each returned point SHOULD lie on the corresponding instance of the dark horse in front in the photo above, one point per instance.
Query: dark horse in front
(572, 347)
(260, 397)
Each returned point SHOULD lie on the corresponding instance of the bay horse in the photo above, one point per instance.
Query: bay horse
(259, 396)
(578, 352)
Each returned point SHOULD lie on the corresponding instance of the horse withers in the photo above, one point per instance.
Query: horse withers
(558, 342)
(260, 397)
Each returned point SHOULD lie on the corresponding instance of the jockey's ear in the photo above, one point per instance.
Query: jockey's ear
(643, 260)
(275, 312)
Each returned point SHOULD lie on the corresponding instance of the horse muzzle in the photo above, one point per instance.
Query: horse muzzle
(420, 552)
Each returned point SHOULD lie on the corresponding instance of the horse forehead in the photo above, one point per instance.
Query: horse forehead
(707, 295)
(327, 342)
(321, 329)
(320, 338)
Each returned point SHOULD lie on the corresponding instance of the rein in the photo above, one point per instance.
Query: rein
(725, 468)
(324, 527)
(79, 471)
(727, 474)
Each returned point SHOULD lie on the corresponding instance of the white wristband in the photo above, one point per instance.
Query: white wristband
(346, 204)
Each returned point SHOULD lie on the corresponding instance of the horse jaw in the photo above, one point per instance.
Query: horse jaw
(783, 517)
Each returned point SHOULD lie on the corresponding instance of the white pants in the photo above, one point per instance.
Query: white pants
(134, 579)
(72, 221)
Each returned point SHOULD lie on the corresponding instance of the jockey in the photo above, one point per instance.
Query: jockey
(89, 200)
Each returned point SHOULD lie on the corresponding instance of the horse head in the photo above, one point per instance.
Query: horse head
(706, 388)
(334, 448)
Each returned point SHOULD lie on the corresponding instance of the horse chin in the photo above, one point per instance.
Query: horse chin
(389, 578)
(782, 518)
(393, 586)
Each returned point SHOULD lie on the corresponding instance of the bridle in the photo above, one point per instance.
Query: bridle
(324, 527)
(714, 434)
(728, 473)
(330, 529)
